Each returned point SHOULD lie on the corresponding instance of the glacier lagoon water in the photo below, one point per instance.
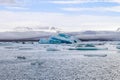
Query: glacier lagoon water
(56, 62)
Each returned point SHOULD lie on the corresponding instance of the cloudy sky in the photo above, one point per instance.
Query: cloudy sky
(68, 15)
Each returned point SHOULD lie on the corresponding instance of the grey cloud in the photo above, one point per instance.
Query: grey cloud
(12, 2)
(8, 2)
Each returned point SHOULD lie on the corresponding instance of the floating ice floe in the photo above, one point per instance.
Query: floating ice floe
(11, 47)
(52, 49)
(39, 63)
(87, 47)
(21, 57)
(5, 44)
(95, 55)
(58, 39)
(118, 47)
(25, 48)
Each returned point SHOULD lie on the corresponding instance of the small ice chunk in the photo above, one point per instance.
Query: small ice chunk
(84, 48)
(25, 48)
(87, 48)
(21, 57)
(52, 49)
(89, 45)
(10, 47)
(38, 63)
(5, 44)
(118, 47)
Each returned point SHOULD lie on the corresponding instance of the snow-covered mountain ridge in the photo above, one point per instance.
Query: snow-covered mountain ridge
(83, 35)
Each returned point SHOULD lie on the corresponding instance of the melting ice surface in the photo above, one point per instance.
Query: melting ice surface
(55, 61)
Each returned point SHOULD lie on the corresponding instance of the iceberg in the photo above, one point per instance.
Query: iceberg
(59, 39)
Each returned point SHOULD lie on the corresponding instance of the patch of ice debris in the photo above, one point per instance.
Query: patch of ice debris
(58, 65)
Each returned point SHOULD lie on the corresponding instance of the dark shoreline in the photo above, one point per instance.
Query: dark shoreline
(38, 40)
(19, 40)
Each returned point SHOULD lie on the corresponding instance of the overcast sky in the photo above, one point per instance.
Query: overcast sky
(68, 15)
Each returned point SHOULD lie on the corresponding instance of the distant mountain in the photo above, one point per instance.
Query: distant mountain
(28, 35)
(99, 35)
(22, 29)
(89, 32)
(36, 35)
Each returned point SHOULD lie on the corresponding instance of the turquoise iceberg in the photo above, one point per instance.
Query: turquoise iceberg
(59, 39)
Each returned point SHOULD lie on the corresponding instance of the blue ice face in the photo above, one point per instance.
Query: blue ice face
(54, 40)
(58, 39)
(64, 35)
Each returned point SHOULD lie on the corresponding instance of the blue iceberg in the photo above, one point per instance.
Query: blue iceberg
(59, 39)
